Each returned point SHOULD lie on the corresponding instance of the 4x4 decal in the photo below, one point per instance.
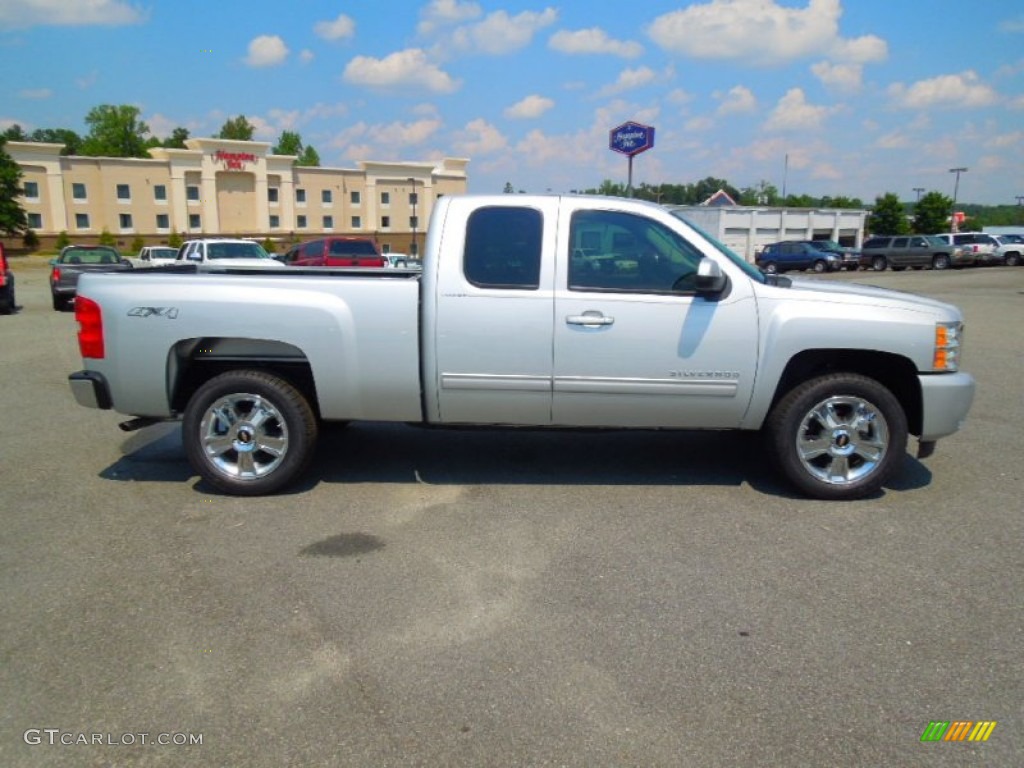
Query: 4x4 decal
(170, 313)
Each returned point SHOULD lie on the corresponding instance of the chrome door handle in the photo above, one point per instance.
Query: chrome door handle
(589, 318)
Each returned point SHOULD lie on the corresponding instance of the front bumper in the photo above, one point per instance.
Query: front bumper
(945, 400)
(91, 390)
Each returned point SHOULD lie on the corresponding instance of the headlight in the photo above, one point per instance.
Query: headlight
(948, 338)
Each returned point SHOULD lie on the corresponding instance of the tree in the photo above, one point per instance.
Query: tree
(309, 158)
(63, 241)
(72, 141)
(237, 128)
(290, 143)
(14, 133)
(177, 139)
(175, 240)
(106, 238)
(509, 189)
(887, 217)
(115, 131)
(931, 214)
(13, 220)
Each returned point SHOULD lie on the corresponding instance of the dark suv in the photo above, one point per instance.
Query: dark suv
(917, 251)
(7, 305)
(798, 254)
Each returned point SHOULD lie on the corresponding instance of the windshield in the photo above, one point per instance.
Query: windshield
(750, 270)
(235, 251)
(829, 246)
(162, 253)
(90, 255)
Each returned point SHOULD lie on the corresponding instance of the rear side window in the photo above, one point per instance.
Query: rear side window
(352, 248)
(503, 248)
(877, 242)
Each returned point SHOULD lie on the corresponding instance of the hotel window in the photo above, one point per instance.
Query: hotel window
(35, 221)
(300, 196)
(124, 192)
(160, 193)
(357, 222)
(385, 222)
(325, 197)
(275, 222)
(163, 221)
(385, 198)
(328, 222)
(82, 220)
(413, 198)
(32, 190)
(272, 193)
(192, 192)
(194, 221)
(125, 220)
(414, 222)
(300, 222)
(78, 190)
(354, 197)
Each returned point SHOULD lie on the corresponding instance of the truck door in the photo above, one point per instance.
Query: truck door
(493, 314)
(635, 346)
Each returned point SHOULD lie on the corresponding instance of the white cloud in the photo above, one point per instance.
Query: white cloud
(342, 28)
(628, 80)
(1003, 140)
(479, 138)
(699, 124)
(1012, 25)
(593, 40)
(441, 13)
(794, 113)
(30, 13)
(531, 107)
(739, 100)
(262, 129)
(35, 94)
(762, 32)
(894, 140)
(962, 91)
(266, 51)
(842, 77)
(384, 141)
(410, 68)
(500, 33)
(306, 55)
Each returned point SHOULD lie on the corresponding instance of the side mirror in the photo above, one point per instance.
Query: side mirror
(53, 262)
(710, 278)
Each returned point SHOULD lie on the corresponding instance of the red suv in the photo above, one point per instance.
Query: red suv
(336, 252)
(7, 305)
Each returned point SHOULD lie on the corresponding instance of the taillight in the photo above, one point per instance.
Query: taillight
(56, 274)
(90, 328)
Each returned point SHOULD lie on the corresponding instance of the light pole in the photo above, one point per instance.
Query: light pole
(956, 188)
(413, 199)
(919, 190)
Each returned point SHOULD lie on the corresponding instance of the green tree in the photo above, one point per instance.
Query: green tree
(14, 133)
(237, 128)
(931, 214)
(888, 217)
(309, 158)
(115, 131)
(106, 238)
(72, 141)
(138, 244)
(175, 240)
(31, 240)
(509, 189)
(177, 139)
(63, 241)
(290, 143)
(13, 220)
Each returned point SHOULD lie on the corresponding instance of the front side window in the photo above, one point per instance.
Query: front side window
(899, 242)
(503, 248)
(124, 192)
(614, 251)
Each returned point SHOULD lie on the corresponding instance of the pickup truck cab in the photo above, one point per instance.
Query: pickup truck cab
(544, 311)
(336, 252)
(236, 253)
(155, 256)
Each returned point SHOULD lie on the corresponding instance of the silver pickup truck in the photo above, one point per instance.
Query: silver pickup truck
(549, 311)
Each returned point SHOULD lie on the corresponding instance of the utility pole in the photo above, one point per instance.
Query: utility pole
(919, 190)
(956, 188)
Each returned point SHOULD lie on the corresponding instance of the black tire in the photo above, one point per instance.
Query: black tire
(879, 264)
(770, 268)
(867, 442)
(249, 433)
(941, 261)
(819, 266)
(1012, 259)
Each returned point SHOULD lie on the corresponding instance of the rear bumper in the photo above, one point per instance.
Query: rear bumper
(945, 400)
(90, 389)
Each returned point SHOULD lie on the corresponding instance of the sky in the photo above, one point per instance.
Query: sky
(820, 97)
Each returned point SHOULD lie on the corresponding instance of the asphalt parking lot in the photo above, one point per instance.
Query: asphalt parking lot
(485, 598)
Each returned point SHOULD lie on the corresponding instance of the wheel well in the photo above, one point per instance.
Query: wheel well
(895, 373)
(193, 362)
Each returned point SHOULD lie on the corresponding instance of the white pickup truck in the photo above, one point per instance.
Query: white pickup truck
(544, 311)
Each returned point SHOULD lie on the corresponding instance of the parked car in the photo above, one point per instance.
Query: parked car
(917, 251)
(7, 305)
(74, 260)
(336, 252)
(798, 254)
(402, 261)
(155, 255)
(1011, 249)
(850, 256)
(233, 253)
(984, 247)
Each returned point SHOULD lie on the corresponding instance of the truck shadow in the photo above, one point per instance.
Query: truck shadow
(397, 453)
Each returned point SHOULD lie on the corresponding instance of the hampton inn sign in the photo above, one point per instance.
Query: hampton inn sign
(233, 161)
